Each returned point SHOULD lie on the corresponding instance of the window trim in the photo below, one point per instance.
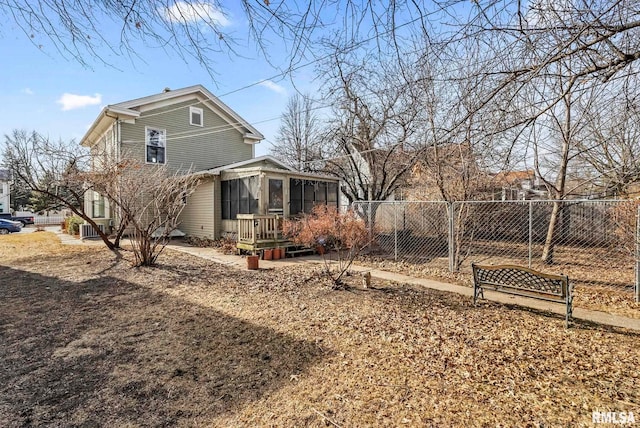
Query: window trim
(98, 206)
(146, 144)
(196, 110)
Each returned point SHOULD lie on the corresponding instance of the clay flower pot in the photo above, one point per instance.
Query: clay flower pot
(252, 262)
(276, 254)
(267, 254)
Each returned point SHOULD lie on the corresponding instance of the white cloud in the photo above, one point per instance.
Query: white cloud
(73, 101)
(183, 12)
(273, 86)
(28, 91)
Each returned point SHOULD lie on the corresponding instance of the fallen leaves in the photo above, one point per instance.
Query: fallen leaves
(196, 343)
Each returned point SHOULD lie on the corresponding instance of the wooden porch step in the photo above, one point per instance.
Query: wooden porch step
(261, 245)
(301, 251)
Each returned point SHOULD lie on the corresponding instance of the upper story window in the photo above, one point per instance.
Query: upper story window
(196, 116)
(156, 145)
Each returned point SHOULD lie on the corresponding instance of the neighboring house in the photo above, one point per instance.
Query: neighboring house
(5, 191)
(367, 173)
(518, 185)
(446, 172)
(192, 129)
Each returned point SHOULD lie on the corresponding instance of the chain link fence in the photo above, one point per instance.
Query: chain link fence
(595, 243)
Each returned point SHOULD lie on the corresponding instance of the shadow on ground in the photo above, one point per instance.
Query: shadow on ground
(108, 352)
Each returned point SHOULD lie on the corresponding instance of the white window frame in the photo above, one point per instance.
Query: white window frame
(162, 143)
(200, 112)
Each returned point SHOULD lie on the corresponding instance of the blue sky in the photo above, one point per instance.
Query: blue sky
(41, 91)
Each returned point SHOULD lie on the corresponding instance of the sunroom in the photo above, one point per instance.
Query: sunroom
(250, 199)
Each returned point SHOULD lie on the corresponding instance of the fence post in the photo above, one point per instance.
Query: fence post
(530, 232)
(395, 229)
(637, 290)
(370, 226)
(452, 254)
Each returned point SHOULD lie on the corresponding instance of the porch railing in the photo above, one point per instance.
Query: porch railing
(256, 228)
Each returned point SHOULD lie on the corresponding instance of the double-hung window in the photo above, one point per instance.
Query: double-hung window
(196, 116)
(156, 145)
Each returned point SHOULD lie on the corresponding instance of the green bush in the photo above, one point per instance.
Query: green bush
(72, 225)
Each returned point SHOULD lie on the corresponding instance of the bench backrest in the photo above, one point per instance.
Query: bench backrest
(521, 280)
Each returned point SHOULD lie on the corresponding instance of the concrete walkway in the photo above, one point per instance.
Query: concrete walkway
(241, 263)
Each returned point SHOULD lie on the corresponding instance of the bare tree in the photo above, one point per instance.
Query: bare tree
(298, 142)
(556, 144)
(519, 44)
(147, 199)
(54, 170)
(610, 145)
(373, 133)
(193, 30)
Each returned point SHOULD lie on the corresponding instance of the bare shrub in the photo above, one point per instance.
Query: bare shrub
(343, 235)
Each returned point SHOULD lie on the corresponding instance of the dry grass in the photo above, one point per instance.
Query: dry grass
(22, 245)
(87, 340)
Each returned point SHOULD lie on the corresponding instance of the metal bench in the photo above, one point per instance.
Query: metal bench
(525, 282)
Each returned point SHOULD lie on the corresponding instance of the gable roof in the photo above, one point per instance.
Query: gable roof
(248, 163)
(132, 109)
(265, 164)
(513, 177)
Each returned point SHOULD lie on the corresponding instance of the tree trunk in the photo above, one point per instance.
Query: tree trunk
(552, 234)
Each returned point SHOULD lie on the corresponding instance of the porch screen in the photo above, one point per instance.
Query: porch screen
(304, 194)
(239, 196)
(295, 196)
(275, 196)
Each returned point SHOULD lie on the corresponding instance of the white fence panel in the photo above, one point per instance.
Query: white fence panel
(48, 220)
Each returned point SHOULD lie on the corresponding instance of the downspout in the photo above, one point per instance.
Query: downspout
(118, 141)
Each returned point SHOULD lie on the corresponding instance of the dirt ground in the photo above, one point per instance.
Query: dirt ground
(88, 340)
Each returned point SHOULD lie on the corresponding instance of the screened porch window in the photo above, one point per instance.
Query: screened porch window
(239, 196)
(305, 194)
(276, 196)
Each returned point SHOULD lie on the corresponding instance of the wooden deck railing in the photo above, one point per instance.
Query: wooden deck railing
(254, 229)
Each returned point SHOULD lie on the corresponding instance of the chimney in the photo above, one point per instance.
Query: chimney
(167, 89)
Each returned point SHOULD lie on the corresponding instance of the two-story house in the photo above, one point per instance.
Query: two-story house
(191, 129)
(5, 191)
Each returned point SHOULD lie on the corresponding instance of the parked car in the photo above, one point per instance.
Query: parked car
(24, 219)
(9, 226)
